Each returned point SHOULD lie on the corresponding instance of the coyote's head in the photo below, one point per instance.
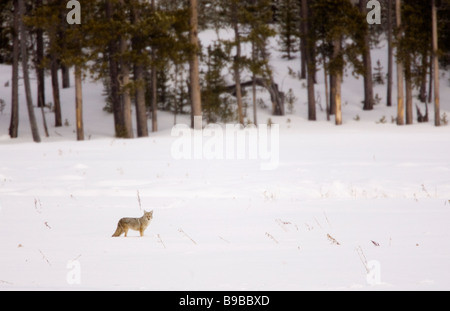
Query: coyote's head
(148, 215)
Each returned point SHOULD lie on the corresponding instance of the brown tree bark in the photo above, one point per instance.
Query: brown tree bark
(437, 114)
(119, 122)
(367, 60)
(40, 71)
(196, 100)
(310, 63)
(408, 91)
(139, 79)
(338, 82)
(237, 60)
(390, 56)
(79, 104)
(14, 125)
(400, 93)
(154, 86)
(26, 77)
(55, 89)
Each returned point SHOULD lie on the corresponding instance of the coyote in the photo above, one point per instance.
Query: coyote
(138, 224)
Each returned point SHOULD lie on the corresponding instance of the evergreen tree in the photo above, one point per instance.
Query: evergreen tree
(333, 22)
(289, 14)
(216, 106)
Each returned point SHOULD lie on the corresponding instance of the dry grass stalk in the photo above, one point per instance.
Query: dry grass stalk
(187, 236)
(332, 240)
(161, 241)
(271, 237)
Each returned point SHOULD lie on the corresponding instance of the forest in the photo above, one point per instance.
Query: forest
(149, 57)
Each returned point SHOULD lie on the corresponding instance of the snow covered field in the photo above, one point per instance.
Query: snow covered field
(365, 206)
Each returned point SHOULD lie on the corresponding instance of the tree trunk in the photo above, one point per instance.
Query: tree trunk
(276, 96)
(119, 123)
(237, 61)
(423, 77)
(310, 63)
(139, 79)
(255, 112)
(332, 94)
(40, 72)
(400, 96)
(26, 78)
(154, 87)
(367, 60)
(65, 73)
(14, 125)
(125, 90)
(327, 94)
(303, 44)
(141, 111)
(430, 82)
(196, 100)
(337, 82)
(79, 104)
(55, 88)
(408, 89)
(437, 114)
(390, 54)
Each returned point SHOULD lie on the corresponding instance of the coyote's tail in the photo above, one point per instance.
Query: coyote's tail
(118, 232)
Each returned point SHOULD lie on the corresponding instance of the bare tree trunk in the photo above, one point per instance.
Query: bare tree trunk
(65, 73)
(310, 63)
(237, 61)
(195, 93)
(338, 100)
(14, 125)
(55, 88)
(327, 94)
(332, 94)
(154, 87)
(367, 60)
(400, 96)
(255, 112)
(408, 89)
(79, 103)
(437, 113)
(338, 82)
(139, 78)
(125, 82)
(40, 73)
(430, 82)
(303, 43)
(119, 123)
(390, 55)
(423, 77)
(44, 121)
(26, 78)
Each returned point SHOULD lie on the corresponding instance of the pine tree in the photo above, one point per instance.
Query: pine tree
(216, 107)
(334, 21)
(289, 13)
(257, 15)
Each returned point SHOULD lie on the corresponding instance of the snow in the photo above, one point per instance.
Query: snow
(381, 191)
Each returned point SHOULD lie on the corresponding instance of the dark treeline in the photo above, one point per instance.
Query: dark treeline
(148, 55)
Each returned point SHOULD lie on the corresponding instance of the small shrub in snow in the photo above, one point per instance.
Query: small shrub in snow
(444, 119)
(2, 105)
(382, 120)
